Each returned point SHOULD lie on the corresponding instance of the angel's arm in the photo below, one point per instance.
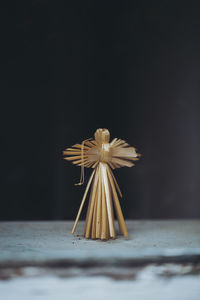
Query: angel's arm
(122, 154)
(78, 153)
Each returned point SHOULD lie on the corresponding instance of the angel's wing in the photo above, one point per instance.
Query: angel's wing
(78, 153)
(122, 154)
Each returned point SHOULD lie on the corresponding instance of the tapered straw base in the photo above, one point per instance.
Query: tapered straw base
(99, 222)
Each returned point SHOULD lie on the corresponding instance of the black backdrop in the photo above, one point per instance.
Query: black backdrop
(70, 67)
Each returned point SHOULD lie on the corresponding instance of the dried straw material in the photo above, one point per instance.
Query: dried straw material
(102, 156)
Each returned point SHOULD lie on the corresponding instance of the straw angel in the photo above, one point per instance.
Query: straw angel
(103, 156)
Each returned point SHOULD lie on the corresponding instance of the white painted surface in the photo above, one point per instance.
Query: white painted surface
(148, 285)
(46, 241)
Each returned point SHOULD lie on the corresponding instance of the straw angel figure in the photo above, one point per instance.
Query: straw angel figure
(102, 156)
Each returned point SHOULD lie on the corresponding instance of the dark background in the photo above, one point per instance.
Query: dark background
(70, 67)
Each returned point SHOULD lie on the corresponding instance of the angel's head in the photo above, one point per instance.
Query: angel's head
(102, 135)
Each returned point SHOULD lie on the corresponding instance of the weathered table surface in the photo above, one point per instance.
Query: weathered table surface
(31, 242)
(43, 260)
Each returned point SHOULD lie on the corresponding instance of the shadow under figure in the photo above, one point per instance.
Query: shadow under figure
(102, 156)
